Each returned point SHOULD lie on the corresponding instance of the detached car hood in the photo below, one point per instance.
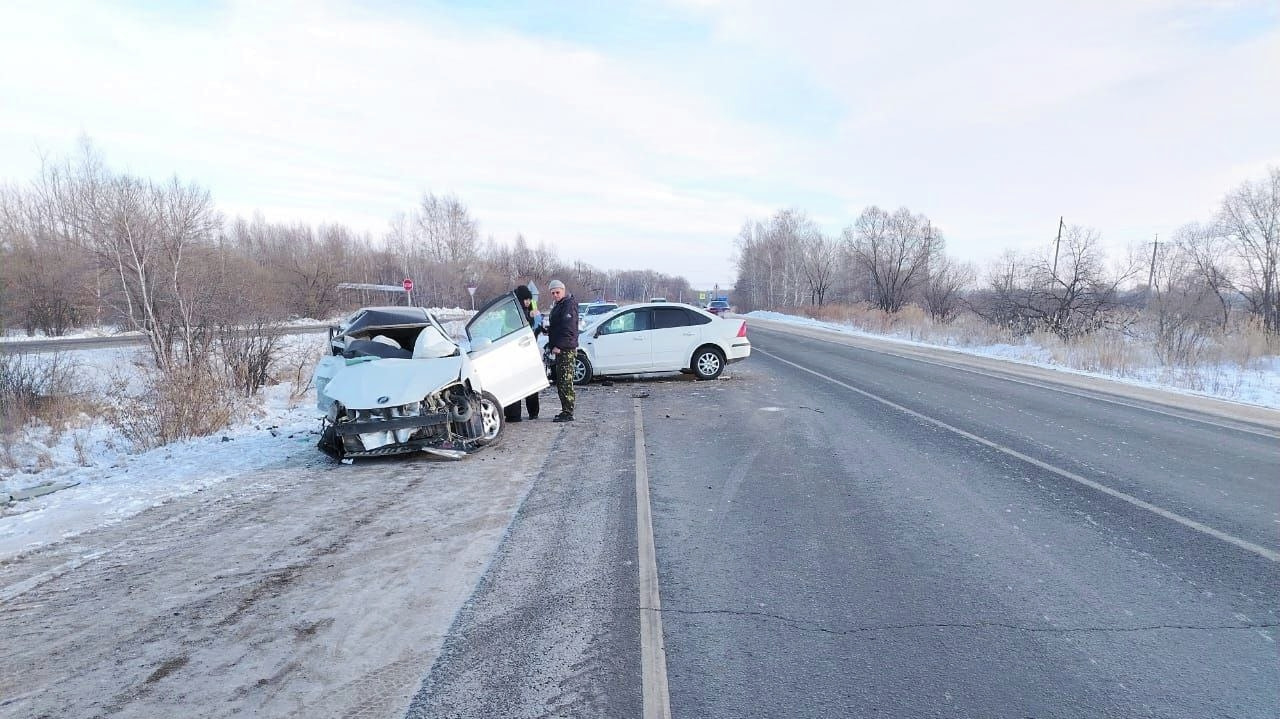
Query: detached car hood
(399, 381)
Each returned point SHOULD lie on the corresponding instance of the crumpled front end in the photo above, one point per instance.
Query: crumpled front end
(450, 421)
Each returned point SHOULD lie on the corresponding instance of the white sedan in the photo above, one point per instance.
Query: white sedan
(660, 337)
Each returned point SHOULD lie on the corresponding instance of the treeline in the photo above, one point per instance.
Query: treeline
(83, 245)
(1204, 278)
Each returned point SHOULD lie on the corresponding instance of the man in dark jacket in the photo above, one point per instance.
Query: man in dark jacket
(562, 338)
(512, 411)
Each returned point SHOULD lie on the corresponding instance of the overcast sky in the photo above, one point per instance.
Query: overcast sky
(644, 136)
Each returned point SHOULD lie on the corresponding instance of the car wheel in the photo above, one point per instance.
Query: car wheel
(492, 421)
(707, 363)
(582, 373)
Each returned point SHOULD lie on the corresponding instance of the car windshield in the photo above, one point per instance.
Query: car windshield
(600, 309)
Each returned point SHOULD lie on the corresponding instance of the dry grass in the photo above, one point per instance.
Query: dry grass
(1248, 344)
(183, 403)
(1105, 352)
(1203, 365)
(38, 388)
(148, 408)
(295, 365)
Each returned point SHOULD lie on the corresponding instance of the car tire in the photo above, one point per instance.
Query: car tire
(492, 420)
(707, 363)
(582, 372)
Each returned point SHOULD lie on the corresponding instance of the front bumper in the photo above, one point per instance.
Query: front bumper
(345, 429)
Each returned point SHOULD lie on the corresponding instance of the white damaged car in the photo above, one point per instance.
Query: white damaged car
(394, 381)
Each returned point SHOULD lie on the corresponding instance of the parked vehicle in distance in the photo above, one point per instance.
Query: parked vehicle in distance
(657, 299)
(718, 307)
(394, 381)
(660, 337)
(588, 312)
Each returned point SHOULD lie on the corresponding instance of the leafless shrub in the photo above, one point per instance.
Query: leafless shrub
(177, 404)
(246, 354)
(295, 363)
(39, 387)
(1181, 344)
(943, 292)
(81, 444)
(1067, 290)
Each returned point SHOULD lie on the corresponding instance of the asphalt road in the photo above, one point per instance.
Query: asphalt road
(851, 532)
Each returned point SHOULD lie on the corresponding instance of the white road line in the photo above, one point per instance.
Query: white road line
(1184, 521)
(653, 655)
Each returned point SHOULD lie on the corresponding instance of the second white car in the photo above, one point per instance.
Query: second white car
(660, 337)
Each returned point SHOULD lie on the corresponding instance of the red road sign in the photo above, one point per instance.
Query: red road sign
(407, 284)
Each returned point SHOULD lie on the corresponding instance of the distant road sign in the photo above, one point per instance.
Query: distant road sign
(407, 285)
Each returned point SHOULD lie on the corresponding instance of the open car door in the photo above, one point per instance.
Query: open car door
(503, 351)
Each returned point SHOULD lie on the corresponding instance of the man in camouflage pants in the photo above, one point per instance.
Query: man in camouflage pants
(562, 338)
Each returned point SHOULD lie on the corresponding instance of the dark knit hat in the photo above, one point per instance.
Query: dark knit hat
(523, 293)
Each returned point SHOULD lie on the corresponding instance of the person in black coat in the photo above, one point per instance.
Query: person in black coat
(512, 411)
(562, 338)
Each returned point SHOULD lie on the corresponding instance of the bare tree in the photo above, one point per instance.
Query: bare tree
(1183, 305)
(442, 231)
(1072, 296)
(46, 282)
(818, 264)
(894, 251)
(149, 237)
(1250, 220)
(998, 303)
(942, 292)
(770, 259)
(1204, 250)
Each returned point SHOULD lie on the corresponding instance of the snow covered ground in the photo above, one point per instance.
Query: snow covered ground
(111, 484)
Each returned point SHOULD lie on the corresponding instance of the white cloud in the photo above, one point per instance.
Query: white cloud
(996, 117)
(333, 113)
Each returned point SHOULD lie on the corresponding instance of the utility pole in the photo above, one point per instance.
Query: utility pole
(1056, 244)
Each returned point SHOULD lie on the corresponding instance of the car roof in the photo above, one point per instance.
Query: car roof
(373, 317)
(645, 305)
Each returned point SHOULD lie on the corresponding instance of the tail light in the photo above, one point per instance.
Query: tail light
(742, 331)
